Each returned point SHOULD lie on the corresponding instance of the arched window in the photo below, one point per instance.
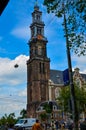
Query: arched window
(42, 68)
(39, 50)
(39, 31)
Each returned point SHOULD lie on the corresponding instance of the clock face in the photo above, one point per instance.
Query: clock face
(39, 37)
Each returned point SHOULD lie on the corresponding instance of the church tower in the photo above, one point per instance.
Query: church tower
(38, 66)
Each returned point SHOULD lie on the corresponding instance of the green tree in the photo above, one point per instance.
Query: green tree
(23, 113)
(64, 98)
(48, 108)
(43, 116)
(76, 21)
(11, 118)
(47, 114)
(8, 119)
(74, 32)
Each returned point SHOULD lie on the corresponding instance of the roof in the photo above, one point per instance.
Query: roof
(62, 77)
(83, 76)
(56, 76)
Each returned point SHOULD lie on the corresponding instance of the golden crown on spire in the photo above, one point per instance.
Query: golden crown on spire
(36, 3)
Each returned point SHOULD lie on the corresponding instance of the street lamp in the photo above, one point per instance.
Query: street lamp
(72, 91)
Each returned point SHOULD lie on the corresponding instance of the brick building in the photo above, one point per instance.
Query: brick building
(38, 66)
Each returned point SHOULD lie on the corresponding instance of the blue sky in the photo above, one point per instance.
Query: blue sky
(14, 36)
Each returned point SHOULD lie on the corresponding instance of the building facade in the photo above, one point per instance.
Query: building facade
(38, 66)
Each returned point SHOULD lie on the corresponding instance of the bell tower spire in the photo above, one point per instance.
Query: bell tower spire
(36, 7)
(36, 3)
(37, 34)
(38, 66)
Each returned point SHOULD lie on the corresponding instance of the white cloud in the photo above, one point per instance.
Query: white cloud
(13, 89)
(10, 75)
(23, 93)
(21, 32)
(80, 62)
(11, 105)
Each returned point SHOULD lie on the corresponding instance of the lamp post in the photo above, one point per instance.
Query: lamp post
(72, 91)
(51, 104)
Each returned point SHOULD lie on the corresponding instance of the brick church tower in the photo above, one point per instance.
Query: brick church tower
(38, 66)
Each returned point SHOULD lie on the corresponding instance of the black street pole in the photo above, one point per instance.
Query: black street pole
(3, 4)
(72, 91)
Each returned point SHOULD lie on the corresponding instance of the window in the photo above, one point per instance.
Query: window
(33, 32)
(37, 17)
(39, 50)
(33, 50)
(42, 68)
(43, 92)
(39, 31)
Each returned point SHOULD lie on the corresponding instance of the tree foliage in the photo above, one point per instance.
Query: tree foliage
(64, 98)
(47, 108)
(23, 113)
(8, 119)
(11, 119)
(43, 116)
(75, 11)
